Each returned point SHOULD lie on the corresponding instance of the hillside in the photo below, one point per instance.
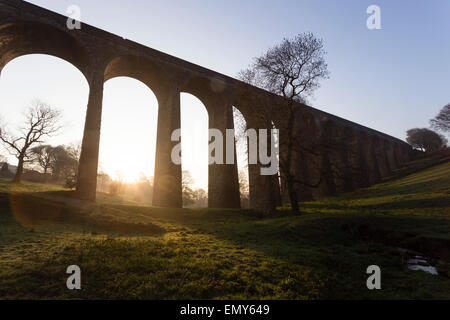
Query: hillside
(130, 251)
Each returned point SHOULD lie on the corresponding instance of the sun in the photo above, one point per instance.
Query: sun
(127, 174)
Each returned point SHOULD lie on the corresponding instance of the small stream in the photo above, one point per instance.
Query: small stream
(418, 262)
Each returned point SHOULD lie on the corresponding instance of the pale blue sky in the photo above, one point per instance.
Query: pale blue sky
(390, 79)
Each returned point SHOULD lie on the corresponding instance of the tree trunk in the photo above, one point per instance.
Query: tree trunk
(19, 171)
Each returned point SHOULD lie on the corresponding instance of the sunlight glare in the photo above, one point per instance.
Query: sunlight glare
(128, 138)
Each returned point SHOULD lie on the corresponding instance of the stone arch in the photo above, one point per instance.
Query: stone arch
(199, 86)
(213, 100)
(223, 181)
(241, 152)
(194, 116)
(167, 180)
(264, 190)
(139, 68)
(18, 38)
(45, 74)
(258, 184)
(252, 106)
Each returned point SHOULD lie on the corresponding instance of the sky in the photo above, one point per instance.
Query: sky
(391, 79)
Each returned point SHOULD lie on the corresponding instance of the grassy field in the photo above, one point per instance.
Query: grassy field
(127, 251)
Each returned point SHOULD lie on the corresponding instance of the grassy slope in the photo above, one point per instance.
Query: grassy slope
(218, 254)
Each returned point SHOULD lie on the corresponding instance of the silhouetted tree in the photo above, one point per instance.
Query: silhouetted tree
(193, 198)
(293, 69)
(425, 139)
(43, 155)
(41, 121)
(442, 121)
(64, 163)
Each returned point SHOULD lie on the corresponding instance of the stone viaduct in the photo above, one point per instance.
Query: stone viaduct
(362, 156)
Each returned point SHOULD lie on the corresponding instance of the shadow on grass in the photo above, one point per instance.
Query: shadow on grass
(340, 246)
(337, 247)
(35, 208)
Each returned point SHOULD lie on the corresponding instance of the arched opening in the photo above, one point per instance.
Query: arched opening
(264, 190)
(240, 127)
(33, 78)
(194, 146)
(145, 74)
(276, 178)
(223, 186)
(128, 140)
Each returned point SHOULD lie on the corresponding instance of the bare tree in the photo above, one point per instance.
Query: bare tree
(442, 121)
(64, 163)
(61, 161)
(186, 186)
(41, 121)
(425, 139)
(293, 69)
